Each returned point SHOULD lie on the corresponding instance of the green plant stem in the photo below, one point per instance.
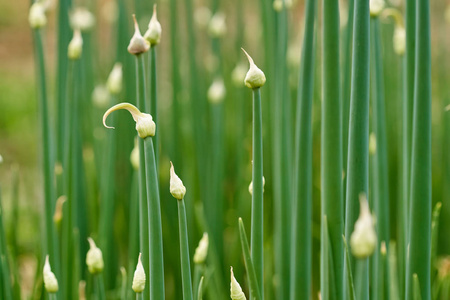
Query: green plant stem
(381, 175)
(331, 147)
(350, 289)
(154, 99)
(300, 285)
(420, 195)
(139, 296)
(198, 271)
(253, 282)
(155, 229)
(5, 280)
(358, 139)
(184, 252)
(52, 296)
(47, 154)
(257, 196)
(143, 203)
(200, 289)
(100, 286)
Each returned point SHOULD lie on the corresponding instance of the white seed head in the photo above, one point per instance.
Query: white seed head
(138, 44)
(144, 122)
(94, 258)
(376, 7)
(255, 78)
(238, 74)
(363, 240)
(177, 189)
(202, 16)
(250, 186)
(36, 16)
(115, 79)
(134, 157)
(50, 281)
(236, 292)
(383, 249)
(153, 33)
(217, 91)
(75, 46)
(100, 96)
(138, 285)
(217, 26)
(81, 18)
(288, 4)
(372, 144)
(399, 40)
(202, 250)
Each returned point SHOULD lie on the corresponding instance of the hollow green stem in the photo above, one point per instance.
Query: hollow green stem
(5, 280)
(253, 282)
(154, 99)
(184, 252)
(52, 296)
(302, 221)
(100, 286)
(257, 195)
(331, 148)
(143, 204)
(420, 195)
(358, 139)
(139, 296)
(47, 154)
(200, 289)
(155, 228)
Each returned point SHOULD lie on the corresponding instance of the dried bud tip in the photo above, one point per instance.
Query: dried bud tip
(144, 122)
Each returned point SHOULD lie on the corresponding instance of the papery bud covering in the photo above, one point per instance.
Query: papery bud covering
(363, 240)
(94, 258)
(202, 250)
(50, 281)
(236, 292)
(138, 285)
(153, 33)
(255, 78)
(177, 189)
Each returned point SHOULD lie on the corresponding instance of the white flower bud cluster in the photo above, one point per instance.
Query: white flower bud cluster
(94, 258)
(138, 285)
(138, 44)
(153, 33)
(255, 78)
(50, 281)
(75, 46)
(217, 91)
(363, 240)
(217, 26)
(81, 18)
(114, 82)
(36, 16)
(177, 189)
(376, 7)
(202, 250)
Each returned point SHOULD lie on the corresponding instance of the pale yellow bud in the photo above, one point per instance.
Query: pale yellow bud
(81, 18)
(134, 157)
(238, 74)
(217, 26)
(138, 44)
(376, 7)
(36, 16)
(75, 46)
(94, 258)
(144, 122)
(372, 144)
(399, 40)
(363, 240)
(236, 292)
(202, 250)
(217, 91)
(255, 78)
(383, 249)
(177, 189)
(202, 16)
(153, 33)
(50, 281)
(138, 285)
(114, 82)
(100, 96)
(250, 186)
(1, 159)
(447, 13)
(58, 215)
(278, 5)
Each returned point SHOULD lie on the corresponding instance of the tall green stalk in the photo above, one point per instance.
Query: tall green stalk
(47, 154)
(420, 210)
(257, 195)
(381, 175)
(143, 205)
(5, 280)
(358, 139)
(300, 279)
(331, 147)
(184, 252)
(155, 228)
(154, 97)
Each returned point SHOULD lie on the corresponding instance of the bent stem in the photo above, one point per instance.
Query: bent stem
(155, 228)
(184, 252)
(253, 283)
(257, 195)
